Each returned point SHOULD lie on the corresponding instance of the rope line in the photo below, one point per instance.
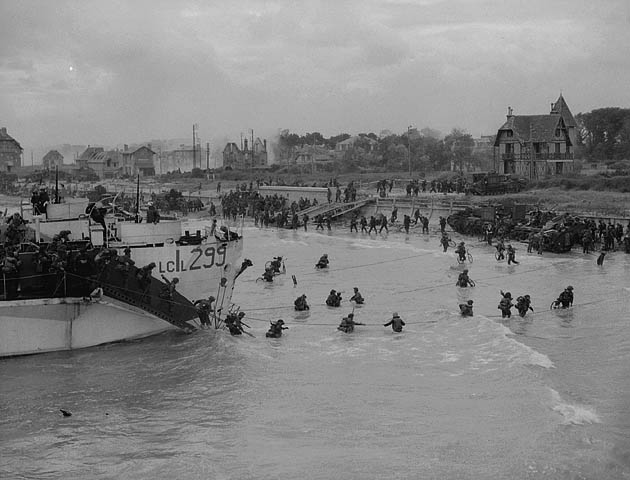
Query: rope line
(529, 315)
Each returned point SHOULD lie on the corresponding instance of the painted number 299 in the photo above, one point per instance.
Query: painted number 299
(207, 257)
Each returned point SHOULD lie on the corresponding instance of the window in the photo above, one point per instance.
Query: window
(509, 133)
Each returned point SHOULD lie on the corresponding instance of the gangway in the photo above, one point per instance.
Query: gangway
(126, 288)
(335, 209)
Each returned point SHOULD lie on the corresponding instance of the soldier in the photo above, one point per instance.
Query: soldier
(466, 309)
(505, 305)
(396, 322)
(300, 303)
(523, 304)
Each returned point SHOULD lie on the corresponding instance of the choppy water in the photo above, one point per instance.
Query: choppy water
(545, 397)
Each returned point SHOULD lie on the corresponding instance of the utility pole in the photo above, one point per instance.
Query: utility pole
(194, 141)
(409, 148)
(207, 157)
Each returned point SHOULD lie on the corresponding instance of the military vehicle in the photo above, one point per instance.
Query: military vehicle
(492, 183)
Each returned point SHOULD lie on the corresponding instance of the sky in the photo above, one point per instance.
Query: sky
(111, 72)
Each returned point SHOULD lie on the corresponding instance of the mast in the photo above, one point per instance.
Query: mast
(56, 184)
(138, 200)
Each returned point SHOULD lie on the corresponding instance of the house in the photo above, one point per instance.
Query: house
(52, 160)
(363, 141)
(258, 155)
(232, 156)
(88, 154)
(10, 152)
(245, 158)
(180, 159)
(313, 155)
(139, 161)
(535, 146)
(106, 164)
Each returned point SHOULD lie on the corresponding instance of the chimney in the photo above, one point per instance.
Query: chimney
(125, 147)
(3, 130)
(510, 112)
(245, 144)
(265, 144)
(149, 146)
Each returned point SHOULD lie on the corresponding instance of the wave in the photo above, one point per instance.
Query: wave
(573, 414)
(519, 352)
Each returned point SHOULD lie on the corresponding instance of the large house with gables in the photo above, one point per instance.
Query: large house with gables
(536, 146)
(10, 152)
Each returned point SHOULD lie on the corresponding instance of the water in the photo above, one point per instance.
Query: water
(545, 397)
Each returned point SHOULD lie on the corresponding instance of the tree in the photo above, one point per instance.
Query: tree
(605, 133)
(460, 145)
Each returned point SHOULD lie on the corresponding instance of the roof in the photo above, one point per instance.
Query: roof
(5, 137)
(130, 152)
(90, 152)
(355, 138)
(53, 154)
(562, 108)
(102, 157)
(231, 147)
(533, 128)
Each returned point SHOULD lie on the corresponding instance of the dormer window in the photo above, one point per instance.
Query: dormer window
(509, 133)
(557, 132)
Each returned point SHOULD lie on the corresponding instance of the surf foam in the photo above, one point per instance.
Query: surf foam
(573, 414)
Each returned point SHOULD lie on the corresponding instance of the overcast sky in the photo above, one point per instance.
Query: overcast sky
(113, 72)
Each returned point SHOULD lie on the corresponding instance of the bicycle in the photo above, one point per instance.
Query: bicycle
(468, 258)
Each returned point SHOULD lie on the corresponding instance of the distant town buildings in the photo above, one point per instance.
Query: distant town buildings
(245, 158)
(535, 146)
(10, 152)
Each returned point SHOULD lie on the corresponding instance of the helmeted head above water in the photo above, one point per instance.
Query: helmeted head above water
(280, 322)
(507, 295)
(465, 270)
(569, 287)
(332, 292)
(395, 314)
(355, 289)
(470, 302)
(351, 315)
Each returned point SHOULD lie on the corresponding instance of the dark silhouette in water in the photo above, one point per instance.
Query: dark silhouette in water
(600, 259)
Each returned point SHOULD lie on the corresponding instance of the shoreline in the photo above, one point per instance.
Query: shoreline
(582, 203)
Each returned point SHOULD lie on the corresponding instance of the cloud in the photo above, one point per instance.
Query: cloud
(148, 69)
